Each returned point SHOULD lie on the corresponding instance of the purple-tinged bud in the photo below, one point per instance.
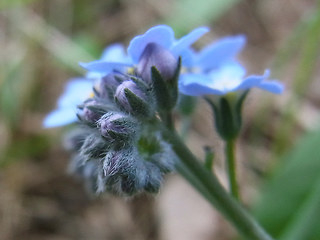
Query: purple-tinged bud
(133, 99)
(118, 127)
(109, 84)
(93, 147)
(115, 163)
(90, 111)
(119, 173)
(159, 57)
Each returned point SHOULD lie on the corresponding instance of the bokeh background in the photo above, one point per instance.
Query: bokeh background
(41, 43)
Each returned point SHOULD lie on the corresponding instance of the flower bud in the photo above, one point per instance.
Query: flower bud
(131, 98)
(117, 127)
(119, 173)
(93, 147)
(109, 84)
(227, 114)
(91, 111)
(159, 57)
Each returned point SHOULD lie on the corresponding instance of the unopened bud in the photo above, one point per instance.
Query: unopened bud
(109, 84)
(133, 99)
(159, 57)
(117, 127)
(93, 147)
(91, 111)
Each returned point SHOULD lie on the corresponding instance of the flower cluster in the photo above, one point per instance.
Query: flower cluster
(118, 147)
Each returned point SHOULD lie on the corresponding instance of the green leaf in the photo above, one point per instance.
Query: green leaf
(160, 90)
(289, 205)
(139, 106)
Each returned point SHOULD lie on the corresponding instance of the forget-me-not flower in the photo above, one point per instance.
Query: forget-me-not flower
(217, 72)
(162, 35)
(215, 54)
(227, 78)
(76, 91)
(116, 57)
(79, 89)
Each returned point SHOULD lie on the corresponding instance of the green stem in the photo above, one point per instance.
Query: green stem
(230, 157)
(208, 161)
(211, 188)
(167, 119)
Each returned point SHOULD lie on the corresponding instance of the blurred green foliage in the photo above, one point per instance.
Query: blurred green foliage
(5, 4)
(187, 14)
(34, 146)
(308, 38)
(289, 205)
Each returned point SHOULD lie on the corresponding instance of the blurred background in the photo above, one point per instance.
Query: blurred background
(41, 43)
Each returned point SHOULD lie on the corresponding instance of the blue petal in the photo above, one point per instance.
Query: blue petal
(76, 91)
(185, 42)
(60, 117)
(94, 75)
(101, 66)
(196, 85)
(272, 86)
(253, 81)
(219, 81)
(220, 52)
(113, 58)
(227, 78)
(162, 35)
(115, 53)
(188, 58)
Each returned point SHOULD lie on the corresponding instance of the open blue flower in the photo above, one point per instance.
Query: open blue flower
(162, 35)
(79, 89)
(227, 78)
(115, 56)
(217, 53)
(76, 91)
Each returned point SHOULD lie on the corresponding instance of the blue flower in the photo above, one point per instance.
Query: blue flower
(216, 54)
(227, 78)
(76, 91)
(79, 89)
(161, 35)
(116, 57)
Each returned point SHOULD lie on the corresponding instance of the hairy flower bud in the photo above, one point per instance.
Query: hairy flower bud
(159, 57)
(93, 147)
(91, 111)
(119, 173)
(118, 127)
(109, 84)
(125, 172)
(133, 99)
